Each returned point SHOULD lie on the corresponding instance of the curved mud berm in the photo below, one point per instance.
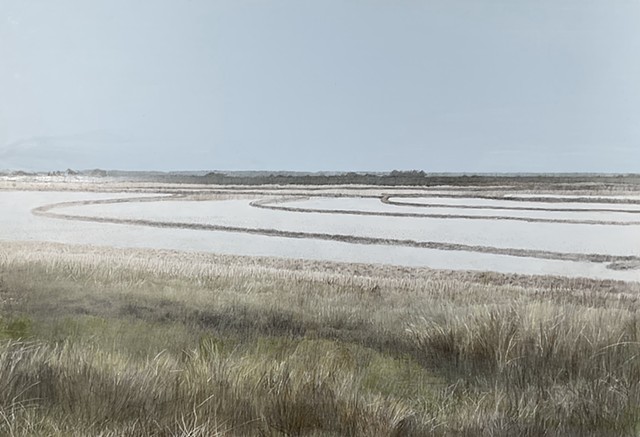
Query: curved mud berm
(625, 265)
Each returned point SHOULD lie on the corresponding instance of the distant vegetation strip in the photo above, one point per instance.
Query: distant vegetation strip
(398, 179)
(268, 204)
(46, 211)
(411, 178)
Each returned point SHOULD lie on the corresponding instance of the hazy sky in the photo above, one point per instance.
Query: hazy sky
(438, 85)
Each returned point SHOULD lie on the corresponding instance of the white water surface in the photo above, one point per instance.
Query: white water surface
(555, 237)
(376, 206)
(17, 223)
(573, 196)
(489, 203)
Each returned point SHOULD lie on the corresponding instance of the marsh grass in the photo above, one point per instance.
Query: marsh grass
(130, 343)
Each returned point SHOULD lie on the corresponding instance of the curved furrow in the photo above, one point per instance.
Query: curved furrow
(617, 261)
(386, 199)
(577, 199)
(269, 204)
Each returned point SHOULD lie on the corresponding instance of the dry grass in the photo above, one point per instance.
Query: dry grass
(131, 342)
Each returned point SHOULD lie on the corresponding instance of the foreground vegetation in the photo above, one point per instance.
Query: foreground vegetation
(128, 342)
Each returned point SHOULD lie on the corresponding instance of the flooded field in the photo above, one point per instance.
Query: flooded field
(574, 236)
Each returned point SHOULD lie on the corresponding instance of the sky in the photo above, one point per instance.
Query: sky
(325, 85)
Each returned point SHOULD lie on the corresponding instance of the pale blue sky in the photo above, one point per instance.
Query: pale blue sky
(442, 85)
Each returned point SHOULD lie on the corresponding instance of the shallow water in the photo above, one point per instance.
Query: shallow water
(489, 203)
(375, 205)
(555, 237)
(18, 223)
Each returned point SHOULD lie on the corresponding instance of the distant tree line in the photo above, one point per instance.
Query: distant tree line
(396, 177)
(393, 178)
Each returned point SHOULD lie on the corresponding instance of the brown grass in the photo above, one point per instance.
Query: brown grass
(133, 342)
